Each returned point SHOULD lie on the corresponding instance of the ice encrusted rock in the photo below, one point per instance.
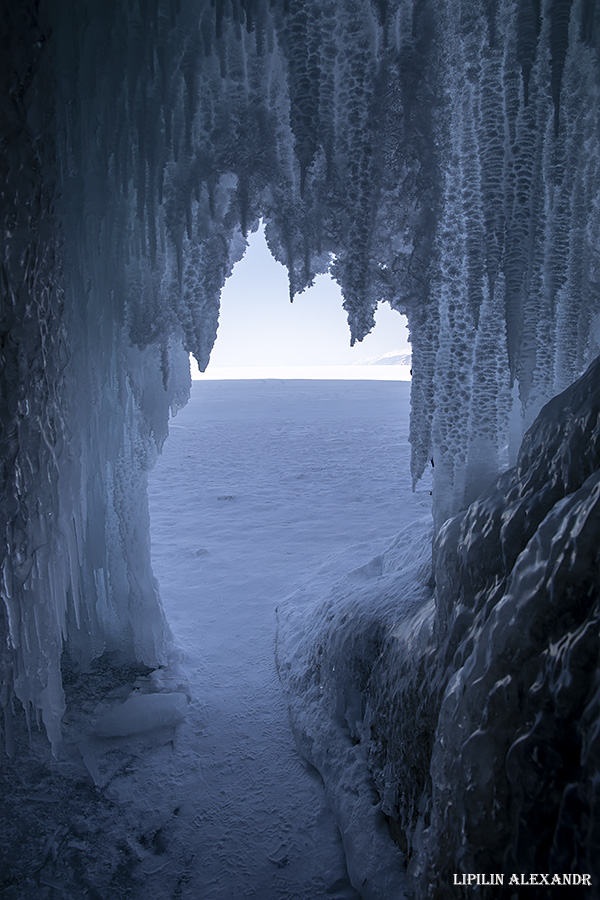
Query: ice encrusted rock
(327, 651)
(476, 702)
(516, 751)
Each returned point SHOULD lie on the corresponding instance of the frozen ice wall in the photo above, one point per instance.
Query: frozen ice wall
(441, 156)
(517, 149)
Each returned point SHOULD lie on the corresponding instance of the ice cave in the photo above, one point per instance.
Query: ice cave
(442, 156)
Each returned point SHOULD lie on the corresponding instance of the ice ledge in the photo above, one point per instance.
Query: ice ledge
(327, 642)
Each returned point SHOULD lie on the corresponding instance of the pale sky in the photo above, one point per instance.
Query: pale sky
(258, 326)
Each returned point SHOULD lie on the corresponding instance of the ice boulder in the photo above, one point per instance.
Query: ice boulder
(142, 713)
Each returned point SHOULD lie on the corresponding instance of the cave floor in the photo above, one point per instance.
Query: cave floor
(261, 483)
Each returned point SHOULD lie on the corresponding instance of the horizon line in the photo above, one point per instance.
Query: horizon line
(308, 373)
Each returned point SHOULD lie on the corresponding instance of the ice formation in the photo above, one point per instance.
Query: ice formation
(442, 156)
(141, 713)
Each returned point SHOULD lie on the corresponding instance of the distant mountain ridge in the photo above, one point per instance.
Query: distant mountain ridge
(389, 359)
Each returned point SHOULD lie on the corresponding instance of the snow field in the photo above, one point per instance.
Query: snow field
(261, 486)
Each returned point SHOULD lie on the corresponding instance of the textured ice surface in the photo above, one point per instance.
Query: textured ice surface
(473, 696)
(328, 652)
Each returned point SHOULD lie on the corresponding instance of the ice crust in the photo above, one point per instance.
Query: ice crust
(141, 713)
(473, 695)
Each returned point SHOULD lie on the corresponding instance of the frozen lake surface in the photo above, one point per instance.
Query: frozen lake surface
(262, 484)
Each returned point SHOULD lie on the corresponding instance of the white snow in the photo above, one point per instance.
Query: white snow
(261, 485)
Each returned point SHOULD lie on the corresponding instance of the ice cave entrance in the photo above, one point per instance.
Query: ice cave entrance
(266, 489)
(271, 484)
(262, 334)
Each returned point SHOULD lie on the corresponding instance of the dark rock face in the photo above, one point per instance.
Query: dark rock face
(473, 690)
(517, 624)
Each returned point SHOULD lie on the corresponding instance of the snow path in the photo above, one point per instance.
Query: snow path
(261, 483)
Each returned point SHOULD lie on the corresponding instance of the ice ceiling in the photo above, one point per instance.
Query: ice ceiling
(443, 156)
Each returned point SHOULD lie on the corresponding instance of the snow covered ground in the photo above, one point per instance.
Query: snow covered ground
(263, 484)
(186, 782)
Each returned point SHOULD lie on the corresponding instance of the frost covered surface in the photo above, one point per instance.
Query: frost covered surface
(517, 596)
(475, 702)
(338, 659)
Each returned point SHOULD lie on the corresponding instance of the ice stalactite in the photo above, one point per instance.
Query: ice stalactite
(513, 200)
